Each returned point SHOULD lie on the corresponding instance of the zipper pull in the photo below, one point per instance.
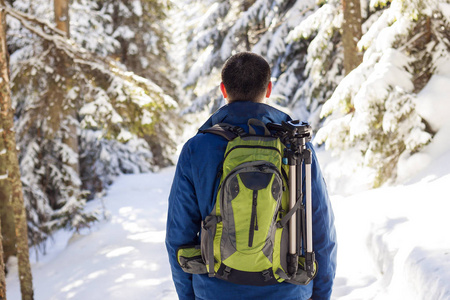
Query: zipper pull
(255, 205)
(262, 168)
(253, 220)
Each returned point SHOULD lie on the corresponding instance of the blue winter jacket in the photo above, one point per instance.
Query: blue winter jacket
(192, 198)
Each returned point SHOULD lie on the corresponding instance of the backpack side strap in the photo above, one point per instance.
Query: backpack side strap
(225, 130)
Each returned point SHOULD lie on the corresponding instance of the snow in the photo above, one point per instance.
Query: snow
(137, 8)
(124, 135)
(392, 246)
(445, 9)
(124, 31)
(433, 96)
(122, 257)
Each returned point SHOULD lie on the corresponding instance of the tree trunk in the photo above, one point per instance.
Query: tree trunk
(62, 19)
(2, 269)
(6, 215)
(351, 34)
(62, 16)
(7, 219)
(7, 115)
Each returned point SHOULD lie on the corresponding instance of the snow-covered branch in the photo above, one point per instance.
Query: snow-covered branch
(79, 55)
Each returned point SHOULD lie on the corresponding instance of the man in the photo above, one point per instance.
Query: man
(245, 85)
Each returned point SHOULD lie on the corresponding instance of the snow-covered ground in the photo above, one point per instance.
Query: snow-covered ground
(394, 242)
(122, 257)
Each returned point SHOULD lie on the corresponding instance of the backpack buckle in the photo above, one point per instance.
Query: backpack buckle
(266, 274)
(238, 130)
(226, 272)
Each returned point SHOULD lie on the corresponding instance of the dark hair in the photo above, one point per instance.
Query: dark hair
(246, 76)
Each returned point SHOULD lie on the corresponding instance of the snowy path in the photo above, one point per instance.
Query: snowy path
(123, 258)
(393, 242)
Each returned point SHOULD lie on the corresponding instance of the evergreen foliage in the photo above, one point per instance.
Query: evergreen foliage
(324, 67)
(373, 108)
(300, 40)
(119, 113)
(223, 28)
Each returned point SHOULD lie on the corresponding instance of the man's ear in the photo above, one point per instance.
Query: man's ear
(223, 90)
(269, 89)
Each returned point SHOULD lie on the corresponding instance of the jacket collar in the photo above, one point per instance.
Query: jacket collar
(238, 113)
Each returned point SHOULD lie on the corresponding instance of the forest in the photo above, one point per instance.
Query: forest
(92, 90)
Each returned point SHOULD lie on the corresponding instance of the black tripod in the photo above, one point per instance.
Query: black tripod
(294, 135)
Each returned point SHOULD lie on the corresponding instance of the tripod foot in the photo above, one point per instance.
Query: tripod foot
(310, 258)
(292, 264)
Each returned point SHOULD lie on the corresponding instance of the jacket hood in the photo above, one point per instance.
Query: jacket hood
(238, 113)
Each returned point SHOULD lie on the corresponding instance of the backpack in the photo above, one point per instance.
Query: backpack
(244, 239)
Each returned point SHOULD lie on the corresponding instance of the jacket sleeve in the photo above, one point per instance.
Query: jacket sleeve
(183, 222)
(324, 234)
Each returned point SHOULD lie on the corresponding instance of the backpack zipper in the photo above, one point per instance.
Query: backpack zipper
(253, 219)
(256, 164)
(251, 147)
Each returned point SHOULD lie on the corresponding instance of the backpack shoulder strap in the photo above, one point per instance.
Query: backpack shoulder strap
(225, 130)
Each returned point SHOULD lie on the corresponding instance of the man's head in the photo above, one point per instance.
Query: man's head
(246, 77)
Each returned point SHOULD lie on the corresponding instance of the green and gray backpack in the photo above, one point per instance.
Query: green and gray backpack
(243, 240)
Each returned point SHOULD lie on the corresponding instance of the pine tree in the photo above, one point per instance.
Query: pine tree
(373, 109)
(139, 27)
(6, 111)
(45, 122)
(123, 110)
(323, 70)
(222, 28)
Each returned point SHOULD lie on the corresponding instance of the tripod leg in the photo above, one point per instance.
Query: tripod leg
(292, 257)
(310, 257)
(309, 245)
(292, 199)
(300, 216)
